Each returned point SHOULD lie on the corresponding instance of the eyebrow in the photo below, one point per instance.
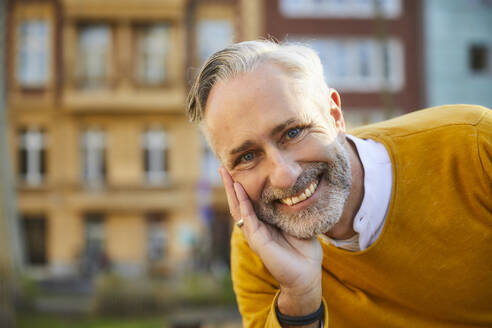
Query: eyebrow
(248, 143)
(279, 128)
(245, 145)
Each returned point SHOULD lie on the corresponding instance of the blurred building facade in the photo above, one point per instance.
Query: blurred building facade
(458, 51)
(108, 171)
(370, 50)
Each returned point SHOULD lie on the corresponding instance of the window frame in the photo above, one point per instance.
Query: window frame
(157, 177)
(354, 83)
(200, 28)
(101, 159)
(338, 10)
(30, 158)
(27, 220)
(212, 12)
(156, 220)
(108, 80)
(22, 12)
(25, 48)
(167, 60)
(487, 70)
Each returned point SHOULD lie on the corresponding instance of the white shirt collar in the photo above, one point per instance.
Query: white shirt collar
(378, 176)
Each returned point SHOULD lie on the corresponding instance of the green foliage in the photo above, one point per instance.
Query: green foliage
(6, 296)
(26, 293)
(50, 321)
(117, 296)
(204, 289)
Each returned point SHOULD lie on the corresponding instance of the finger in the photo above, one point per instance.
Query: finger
(246, 209)
(230, 193)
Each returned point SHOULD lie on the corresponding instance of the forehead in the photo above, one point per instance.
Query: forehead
(249, 106)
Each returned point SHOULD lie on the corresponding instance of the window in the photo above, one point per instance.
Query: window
(210, 165)
(157, 238)
(480, 58)
(94, 233)
(93, 159)
(94, 55)
(152, 52)
(340, 8)
(212, 36)
(32, 157)
(34, 233)
(155, 156)
(94, 257)
(361, 65)
(33, 61)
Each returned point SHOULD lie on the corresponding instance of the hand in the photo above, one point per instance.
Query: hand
(293, 262)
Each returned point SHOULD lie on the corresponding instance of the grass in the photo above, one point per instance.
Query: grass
(51, 321)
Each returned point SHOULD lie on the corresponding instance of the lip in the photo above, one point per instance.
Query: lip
(303, 204)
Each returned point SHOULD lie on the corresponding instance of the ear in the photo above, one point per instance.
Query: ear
(336, 110)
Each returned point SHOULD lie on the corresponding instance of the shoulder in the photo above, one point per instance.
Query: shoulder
(427, 119)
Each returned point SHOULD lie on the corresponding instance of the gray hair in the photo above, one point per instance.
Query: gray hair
(298, 61)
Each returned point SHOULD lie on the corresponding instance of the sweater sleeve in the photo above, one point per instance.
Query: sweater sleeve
(255, 288)
(484, 143)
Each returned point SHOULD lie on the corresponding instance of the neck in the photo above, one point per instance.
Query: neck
(344, 229)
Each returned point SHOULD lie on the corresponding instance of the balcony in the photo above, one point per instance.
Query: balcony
(124, 59)
(123, 101)
(124, 9)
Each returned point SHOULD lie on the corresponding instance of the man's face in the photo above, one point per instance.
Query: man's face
(282, 149)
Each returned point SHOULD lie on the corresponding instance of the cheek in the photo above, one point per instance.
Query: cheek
(251, 181)
(314, 148)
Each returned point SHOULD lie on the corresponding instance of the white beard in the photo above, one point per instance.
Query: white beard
(321, 216)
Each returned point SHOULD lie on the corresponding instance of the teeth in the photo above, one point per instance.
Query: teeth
(303, 196)
(286, 201)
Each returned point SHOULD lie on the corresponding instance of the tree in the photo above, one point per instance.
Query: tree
(9, 238)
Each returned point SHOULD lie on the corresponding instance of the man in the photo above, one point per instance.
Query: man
(390, 226)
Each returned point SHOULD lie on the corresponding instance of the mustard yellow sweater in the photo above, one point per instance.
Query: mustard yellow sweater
(432, 264)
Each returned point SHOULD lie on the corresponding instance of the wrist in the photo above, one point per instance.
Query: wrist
(312, 320)
(300, 301)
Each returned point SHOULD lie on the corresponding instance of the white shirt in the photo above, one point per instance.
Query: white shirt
(378, 179)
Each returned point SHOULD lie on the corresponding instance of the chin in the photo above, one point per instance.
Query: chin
(313, 221)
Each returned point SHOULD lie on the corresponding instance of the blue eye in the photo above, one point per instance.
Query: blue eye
(292, 133)
(247, 157)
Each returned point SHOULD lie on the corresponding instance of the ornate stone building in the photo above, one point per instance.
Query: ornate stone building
(108, 170)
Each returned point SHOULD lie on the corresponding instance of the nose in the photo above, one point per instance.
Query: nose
(284, 170)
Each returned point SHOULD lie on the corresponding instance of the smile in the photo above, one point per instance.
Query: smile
(302, 196)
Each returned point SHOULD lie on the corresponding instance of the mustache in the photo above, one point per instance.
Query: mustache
(314, 171)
